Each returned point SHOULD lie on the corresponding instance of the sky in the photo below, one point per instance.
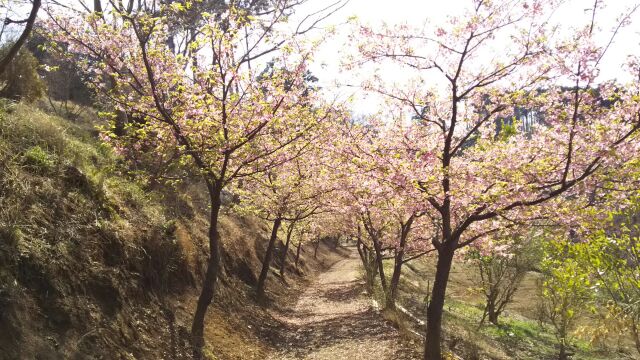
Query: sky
(573, 13)
(336, 81)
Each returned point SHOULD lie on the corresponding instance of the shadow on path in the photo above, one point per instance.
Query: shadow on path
(334, 319)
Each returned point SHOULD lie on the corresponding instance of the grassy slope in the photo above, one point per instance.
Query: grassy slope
(93, 266)
(519, 336)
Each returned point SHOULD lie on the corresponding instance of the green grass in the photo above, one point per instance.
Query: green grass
(34, 143)
(518, 336)
(76, 232)
(38, 158)
(60, 186)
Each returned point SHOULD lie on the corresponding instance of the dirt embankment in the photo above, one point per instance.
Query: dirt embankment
(94, 265)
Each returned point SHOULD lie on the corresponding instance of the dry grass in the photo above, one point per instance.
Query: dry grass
(92, 264)
(519, 336)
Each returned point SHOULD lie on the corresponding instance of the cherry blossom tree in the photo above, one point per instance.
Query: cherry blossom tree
(501, 270)
(298, 233)
(215, 110)
(290, 193)
(356, 200)
(302, 235)
(465, 83)
(379, 198)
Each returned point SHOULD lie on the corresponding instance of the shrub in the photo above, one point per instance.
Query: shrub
(21, 80)
(500, 274)
(566, 292)
(38, 158)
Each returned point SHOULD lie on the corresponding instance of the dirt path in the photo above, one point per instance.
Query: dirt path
(334, 319)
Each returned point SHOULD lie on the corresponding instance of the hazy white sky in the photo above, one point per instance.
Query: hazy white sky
(574, 13)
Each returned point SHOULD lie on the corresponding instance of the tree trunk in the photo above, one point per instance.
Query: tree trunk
(286, 248)
(562, 355)
(370, 265)
(97, 6)
(210, 279)
(372, 270)
(432, 350)
(636, 335)
(491, 310)
(360, 247)
(378, 253)
(298, 254)
(395, 279)
(377, 248)
(267, 259)
(368, 262)
(315, 251)
(398, 262)
(493, 314)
